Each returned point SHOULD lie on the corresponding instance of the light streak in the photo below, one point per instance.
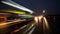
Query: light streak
(30, 28)
(13, 4)
(10, 23)
(36, 19)
(46, 23)
(18, 29)
(31, 31)
(40, 17)
(1, 24)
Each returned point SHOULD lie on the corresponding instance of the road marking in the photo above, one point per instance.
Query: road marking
(30, 27)
(18, 29)
(31, 31)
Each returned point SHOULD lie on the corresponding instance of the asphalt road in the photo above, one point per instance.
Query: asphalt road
(29, 27)
(16, 26)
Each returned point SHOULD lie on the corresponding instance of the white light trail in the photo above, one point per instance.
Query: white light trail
(31, 30)
(36, 19)
(30, 27)
(40, 17)
(13, 4)
(46, 23)
(18, 29)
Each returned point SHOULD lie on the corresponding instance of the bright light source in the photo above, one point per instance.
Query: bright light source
(46, 23)
(3, 24)
(43, 11)
(40, 17)
(13, 4)
(36, 19)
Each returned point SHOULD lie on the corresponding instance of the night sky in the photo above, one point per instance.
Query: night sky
(51, 6)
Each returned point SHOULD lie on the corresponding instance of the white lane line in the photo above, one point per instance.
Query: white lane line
(30, 27)
(31, 31)
(19, 29)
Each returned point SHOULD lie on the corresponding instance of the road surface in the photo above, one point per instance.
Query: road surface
(19, 27)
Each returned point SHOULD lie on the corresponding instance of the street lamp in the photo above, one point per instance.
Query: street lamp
(43, 11)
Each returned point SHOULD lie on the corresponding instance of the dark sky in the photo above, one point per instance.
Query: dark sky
(51, 6)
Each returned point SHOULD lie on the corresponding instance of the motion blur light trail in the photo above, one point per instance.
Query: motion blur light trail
(2, 25)
(42, 20)
(18, 29)
(13, 4)
(30, 27)
(31, 30)
(46, 23)
(36, 19)
(40, 17)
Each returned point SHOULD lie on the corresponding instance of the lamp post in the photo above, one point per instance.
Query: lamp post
(43, 11)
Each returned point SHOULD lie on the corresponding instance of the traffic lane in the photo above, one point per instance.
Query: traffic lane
(38, 29)
(2, 25)
(17, 26)
(5, 27)
(25, 28)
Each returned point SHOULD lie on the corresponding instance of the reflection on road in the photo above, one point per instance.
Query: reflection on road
(28, 28)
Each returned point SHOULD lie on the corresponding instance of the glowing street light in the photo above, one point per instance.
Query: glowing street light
(43, 11)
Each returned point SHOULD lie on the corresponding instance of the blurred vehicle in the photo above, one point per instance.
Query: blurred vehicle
(14, 19)
(17, 14)
(21, 13)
